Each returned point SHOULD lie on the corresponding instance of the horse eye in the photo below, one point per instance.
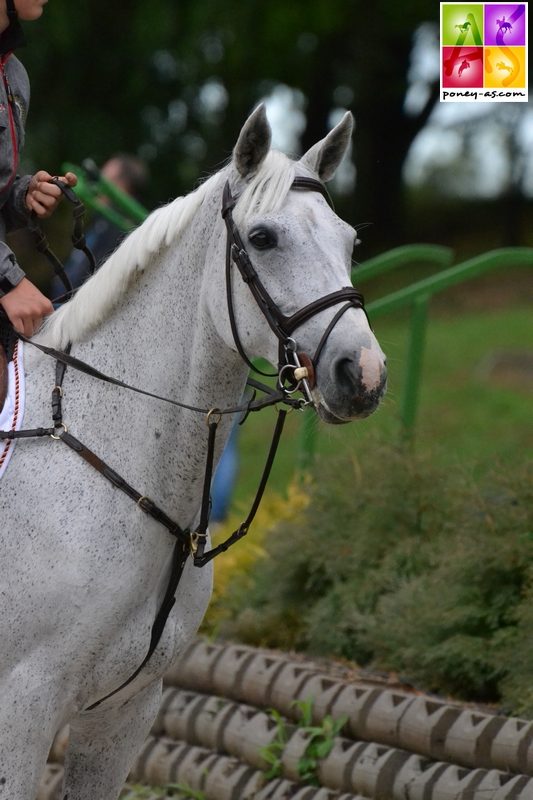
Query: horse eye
(262, 239)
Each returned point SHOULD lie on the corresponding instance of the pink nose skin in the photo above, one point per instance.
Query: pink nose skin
(360, 386)
(371, 369)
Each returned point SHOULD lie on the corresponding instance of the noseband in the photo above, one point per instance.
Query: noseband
(289, 360)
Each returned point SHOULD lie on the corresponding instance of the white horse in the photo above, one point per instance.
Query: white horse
(83, 569)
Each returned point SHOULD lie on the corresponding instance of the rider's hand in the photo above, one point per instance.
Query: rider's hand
(26, 306)
(43, 197)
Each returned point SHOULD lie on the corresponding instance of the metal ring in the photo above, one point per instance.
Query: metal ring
(280, 379)
(290, 344)
(216, 413)
(303, 404)
(141, 500)
(59, 390)
(58, 436)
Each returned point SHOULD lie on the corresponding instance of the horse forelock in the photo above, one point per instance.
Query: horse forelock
(265, 192)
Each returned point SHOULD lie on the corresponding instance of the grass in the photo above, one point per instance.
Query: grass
(462, 415)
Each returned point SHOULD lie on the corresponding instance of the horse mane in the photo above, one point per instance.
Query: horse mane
(95, 300)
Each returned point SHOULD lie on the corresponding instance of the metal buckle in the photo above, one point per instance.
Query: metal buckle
(213, 416)
(195, 537)
(57, 436)
(145, 503)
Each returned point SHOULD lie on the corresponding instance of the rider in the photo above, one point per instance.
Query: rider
(23, 303)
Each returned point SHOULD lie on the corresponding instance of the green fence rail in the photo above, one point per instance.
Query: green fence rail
(408, 254)
(416, 299)
(104, 197)
(433, 255)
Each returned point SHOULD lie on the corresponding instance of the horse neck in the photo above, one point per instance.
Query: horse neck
(162, 334)
(161, 338)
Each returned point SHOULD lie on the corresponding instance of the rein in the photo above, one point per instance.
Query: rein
(77, 238)
(294, 368)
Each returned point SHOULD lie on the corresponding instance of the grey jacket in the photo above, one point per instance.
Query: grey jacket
(14, 101)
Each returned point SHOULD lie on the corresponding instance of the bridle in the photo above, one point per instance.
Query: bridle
(296, 372)
(298, 367)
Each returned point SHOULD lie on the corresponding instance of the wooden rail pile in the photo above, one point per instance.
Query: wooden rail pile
(213, 728)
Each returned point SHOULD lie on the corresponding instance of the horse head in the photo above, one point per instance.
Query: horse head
(300, 253)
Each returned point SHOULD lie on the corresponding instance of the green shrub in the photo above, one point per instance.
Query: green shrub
(517, 660)
(401, 566)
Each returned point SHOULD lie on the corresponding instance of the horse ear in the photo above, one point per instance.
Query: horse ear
(253, 143)
(325, 156)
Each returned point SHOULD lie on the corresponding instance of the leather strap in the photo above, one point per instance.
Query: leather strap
(64, 358)
(199, 537)
(355, 298)
(327, 332)
(78, 239)
(179, 559)
(312, 185)
(282, 326)
(32, 433)
(144, 503)
(201, 558)
(41, 245)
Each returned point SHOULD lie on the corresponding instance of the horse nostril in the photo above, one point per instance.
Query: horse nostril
(348, 375)
(362, 387)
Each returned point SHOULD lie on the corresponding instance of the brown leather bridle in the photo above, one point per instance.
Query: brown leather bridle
(289, 359)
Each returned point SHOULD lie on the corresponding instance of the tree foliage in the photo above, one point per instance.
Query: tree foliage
(107, 77)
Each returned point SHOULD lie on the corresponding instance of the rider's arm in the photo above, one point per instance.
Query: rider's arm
(23, 303)
(15, 212)
(10, 272)
(26, 306)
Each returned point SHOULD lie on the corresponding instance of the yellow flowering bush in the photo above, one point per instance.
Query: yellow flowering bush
(236, 565)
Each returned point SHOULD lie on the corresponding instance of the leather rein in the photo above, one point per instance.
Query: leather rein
(296, 372)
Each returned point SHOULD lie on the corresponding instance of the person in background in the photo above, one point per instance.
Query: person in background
(23, 303)
(224, 479)
(130, 175)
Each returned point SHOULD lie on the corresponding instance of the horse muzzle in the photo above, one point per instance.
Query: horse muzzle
(350, 387)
